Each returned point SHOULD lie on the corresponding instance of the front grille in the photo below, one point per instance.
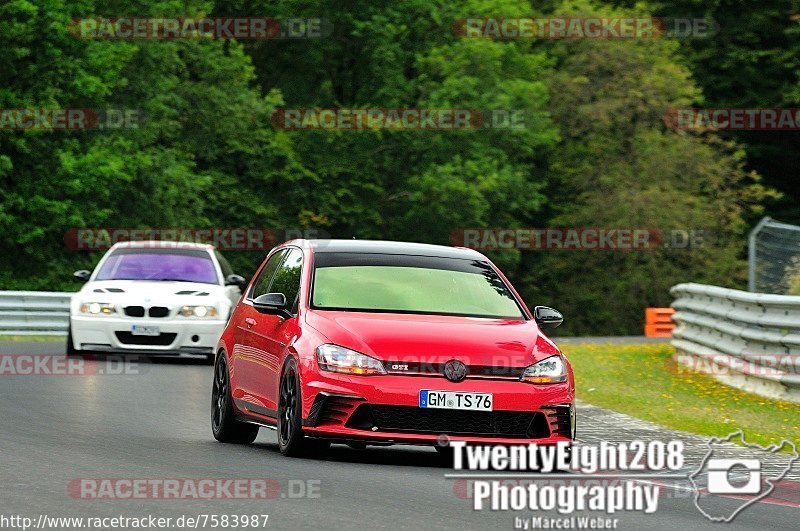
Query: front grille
(511, 424)
(134, 311)
(154, 311)
(161, 340)
(158, 311)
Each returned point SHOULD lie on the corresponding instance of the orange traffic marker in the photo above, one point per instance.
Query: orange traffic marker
(658, 322)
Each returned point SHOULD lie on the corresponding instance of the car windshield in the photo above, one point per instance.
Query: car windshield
(410, 284)
(183, 265)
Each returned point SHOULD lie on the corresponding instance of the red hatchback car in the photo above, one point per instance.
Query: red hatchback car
(371, 342)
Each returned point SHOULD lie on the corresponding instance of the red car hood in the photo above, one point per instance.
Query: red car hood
(435, 338)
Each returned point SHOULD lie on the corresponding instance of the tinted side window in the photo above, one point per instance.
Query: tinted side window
(262, 283)
(287, 279)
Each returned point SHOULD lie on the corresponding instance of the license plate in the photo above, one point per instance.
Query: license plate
(455, 400)
(138, 330)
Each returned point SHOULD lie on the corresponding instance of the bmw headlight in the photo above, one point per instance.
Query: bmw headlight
(97, 308)
(547, 371)
(199, 311)
(339, 359)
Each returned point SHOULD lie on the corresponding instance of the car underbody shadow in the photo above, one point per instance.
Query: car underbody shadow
(398, 455)
(141, 359)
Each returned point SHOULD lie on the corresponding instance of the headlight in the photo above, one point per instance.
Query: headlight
(198, 311)
(97, 308)
(549, 370)
(339, 359)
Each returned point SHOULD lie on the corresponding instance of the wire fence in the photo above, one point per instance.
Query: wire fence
(774, 258)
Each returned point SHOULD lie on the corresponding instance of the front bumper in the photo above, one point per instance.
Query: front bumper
(177, 336)
(385, 410)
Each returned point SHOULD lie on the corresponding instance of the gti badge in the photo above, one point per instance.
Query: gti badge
(455, 371)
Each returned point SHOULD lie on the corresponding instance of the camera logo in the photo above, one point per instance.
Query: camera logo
(721, 474)
(749, 476)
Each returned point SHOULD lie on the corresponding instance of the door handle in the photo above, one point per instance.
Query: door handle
(249, 321)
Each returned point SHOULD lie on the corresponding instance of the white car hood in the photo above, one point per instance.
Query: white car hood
(151, 293)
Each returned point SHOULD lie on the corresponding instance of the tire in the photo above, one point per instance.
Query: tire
(445, 454)
(291, 441)
(72, 352)
(224, 425)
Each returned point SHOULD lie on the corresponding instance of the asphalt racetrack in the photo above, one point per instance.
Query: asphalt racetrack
(154, 423)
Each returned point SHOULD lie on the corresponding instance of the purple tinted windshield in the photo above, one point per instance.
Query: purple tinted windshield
(155, 264)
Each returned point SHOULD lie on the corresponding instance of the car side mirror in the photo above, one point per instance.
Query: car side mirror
(236, 280)
(271, 303)
(82, 275)
(547, 317)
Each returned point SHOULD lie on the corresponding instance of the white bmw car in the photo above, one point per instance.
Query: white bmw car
(153, 298)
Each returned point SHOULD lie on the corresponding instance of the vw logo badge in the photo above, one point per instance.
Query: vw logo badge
(455, 371)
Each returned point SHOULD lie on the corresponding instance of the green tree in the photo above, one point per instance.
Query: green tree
(752, 60)
(204, 147)
(408, 184)
(618, 166)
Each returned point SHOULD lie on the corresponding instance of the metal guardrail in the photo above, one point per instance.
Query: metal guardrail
(40, 313)
(746, 340)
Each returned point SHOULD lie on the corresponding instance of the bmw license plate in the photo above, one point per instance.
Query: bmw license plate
(455, 400)
(138, 330)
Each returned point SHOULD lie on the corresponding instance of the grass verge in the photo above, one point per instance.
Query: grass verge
(643, 381)
(33, 338)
